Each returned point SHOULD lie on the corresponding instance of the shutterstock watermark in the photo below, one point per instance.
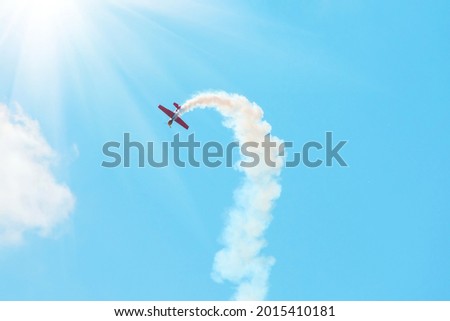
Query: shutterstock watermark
(130, 153)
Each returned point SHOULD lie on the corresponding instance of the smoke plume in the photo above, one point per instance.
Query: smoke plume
(240, 261)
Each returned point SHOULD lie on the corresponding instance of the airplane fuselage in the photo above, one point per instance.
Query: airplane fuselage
(174, 117)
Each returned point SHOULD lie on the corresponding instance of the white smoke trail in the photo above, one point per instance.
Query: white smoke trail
(241, 261)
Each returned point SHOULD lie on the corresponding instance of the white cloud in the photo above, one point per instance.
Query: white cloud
(31, 199)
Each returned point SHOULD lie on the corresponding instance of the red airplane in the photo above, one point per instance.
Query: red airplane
(174, 116)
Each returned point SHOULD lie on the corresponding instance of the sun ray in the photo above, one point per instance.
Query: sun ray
(53, 53)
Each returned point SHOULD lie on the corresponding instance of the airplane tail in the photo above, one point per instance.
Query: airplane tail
(177, 106)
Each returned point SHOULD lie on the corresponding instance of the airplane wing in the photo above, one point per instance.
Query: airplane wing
(182, 123)
(166, 111)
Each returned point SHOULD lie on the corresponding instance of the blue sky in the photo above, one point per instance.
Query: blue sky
(374, 74)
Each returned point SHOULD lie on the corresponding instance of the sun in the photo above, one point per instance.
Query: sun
(38, 18)
(39, 26)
